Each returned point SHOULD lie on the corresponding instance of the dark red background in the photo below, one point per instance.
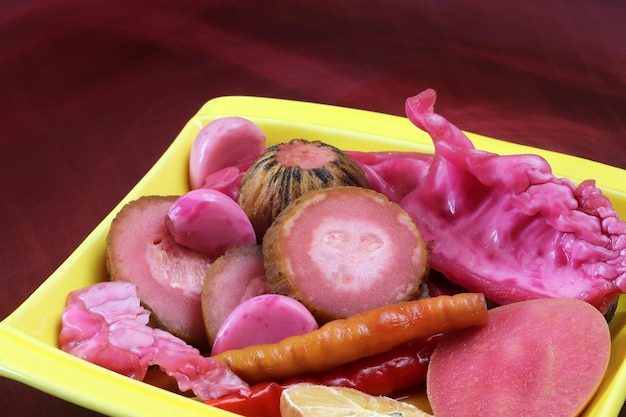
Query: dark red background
(92, 93)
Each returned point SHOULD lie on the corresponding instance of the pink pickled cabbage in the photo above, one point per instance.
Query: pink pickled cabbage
(106, 325)
(386, 172)
(507, 227)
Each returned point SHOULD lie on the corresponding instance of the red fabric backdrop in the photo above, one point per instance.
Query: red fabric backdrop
(91, 93)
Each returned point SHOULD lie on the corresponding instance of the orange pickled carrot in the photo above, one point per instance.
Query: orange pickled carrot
(361, 335)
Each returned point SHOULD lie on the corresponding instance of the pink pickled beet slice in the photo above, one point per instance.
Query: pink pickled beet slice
(266, 318)
(234, 277)
(168, 276)
(344, 250)
(543, 357)
(209, 221)
(228, 141)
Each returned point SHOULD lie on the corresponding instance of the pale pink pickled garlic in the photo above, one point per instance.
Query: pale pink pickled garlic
(209, 221)
(265, 318)
(106, 325)
(505, 226)
(225, 142)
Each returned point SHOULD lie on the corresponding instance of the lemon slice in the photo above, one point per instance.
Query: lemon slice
(307, 400)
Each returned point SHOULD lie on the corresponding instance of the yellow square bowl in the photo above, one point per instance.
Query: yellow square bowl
(29, 336)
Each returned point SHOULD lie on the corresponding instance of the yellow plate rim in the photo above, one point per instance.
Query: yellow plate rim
(23, 355)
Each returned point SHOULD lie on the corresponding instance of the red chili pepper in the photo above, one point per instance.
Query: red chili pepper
(383, 374)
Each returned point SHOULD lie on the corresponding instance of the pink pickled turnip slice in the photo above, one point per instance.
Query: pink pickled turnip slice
(344, 250)
(168, 276)
(542, 357)
(507, 227)
(106, 325)
(225, 142)
(266, 318)
(233, 278)
(209, 221)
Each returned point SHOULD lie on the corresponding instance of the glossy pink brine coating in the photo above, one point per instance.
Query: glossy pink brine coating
(209, 221)
(542, 357)
(225, 142)
(106, 325)
(266, 318)
(506, 226)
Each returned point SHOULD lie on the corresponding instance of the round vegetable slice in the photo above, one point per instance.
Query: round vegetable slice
(234, 277)
(168, 276)
(345, 250)
(539, 357)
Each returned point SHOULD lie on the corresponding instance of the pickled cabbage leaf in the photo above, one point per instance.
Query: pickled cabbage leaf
(507, 227)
